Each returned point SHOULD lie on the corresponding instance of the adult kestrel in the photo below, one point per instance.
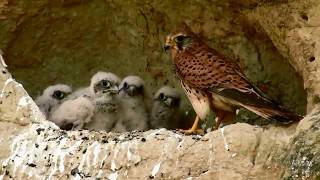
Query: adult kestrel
(216, 83)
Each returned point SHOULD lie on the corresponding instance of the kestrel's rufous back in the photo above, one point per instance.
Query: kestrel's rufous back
(216, 83)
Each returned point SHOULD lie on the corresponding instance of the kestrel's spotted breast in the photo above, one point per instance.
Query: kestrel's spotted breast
(199, 100)
(214, 81)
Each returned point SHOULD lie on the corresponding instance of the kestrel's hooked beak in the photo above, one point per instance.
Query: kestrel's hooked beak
(168, 44)
(166, 47)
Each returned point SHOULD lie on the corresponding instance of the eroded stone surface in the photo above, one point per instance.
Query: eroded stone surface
(294, 29)
(31, 147)
(46, 152)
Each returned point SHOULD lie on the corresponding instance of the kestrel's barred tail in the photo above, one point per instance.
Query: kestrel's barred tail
(254, 100)
(278, 114)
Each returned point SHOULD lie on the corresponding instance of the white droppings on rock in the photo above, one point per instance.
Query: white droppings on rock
(100, 173)
(31, 156)
(78, 177)
(96, 153)
(103, 159)
(8, 81)
(180, 140)
(122, 137)
(83, 160)
(58, 159)
(2, 60)
(131, 148)
(156, 132)
(113, 176)
(113, 165)
(155, 169)
(129, 152)
(74, 148)
(23, 101)
(62, 155)
(211, 155)
(20, 155)
(226, 146)
(180, 144)
(178, 136)
(90, 150)
(116, 150)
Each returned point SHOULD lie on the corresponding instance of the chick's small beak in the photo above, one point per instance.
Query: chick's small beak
(121, 89)
(112, 90)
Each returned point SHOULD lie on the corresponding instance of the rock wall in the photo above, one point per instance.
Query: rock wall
(31, 147)
(45, 39)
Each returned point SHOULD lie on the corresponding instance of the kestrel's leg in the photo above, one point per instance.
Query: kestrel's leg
(224, 116)
(194, 129)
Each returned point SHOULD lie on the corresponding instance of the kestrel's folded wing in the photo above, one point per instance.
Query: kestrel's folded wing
(209, 71)
(206, 68)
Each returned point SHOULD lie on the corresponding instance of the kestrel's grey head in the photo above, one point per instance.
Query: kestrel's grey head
(104, 83)
(131, 86)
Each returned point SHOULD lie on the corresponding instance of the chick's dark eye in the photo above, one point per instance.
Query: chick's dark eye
(179, 38)
(58, 95)
(162, 96)
(105, 83)
(125, 85)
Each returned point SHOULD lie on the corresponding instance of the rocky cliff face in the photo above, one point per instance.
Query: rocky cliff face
(44, 40)
(276, 42)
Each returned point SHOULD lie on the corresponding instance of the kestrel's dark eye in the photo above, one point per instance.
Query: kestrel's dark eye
(179, 38)
(162, 97)
(58, 95)
(105, 83)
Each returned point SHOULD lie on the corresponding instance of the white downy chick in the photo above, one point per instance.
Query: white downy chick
(104, 88)
(133, 111)
(51, 98)
(74, 113)
(84, 91)
(164, 113)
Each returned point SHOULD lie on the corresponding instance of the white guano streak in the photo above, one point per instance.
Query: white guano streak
(226, 146)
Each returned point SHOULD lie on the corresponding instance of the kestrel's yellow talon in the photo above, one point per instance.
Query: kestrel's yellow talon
(194, 129)
(191, 131)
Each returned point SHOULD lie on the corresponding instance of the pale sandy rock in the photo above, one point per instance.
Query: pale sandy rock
(33, 148)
